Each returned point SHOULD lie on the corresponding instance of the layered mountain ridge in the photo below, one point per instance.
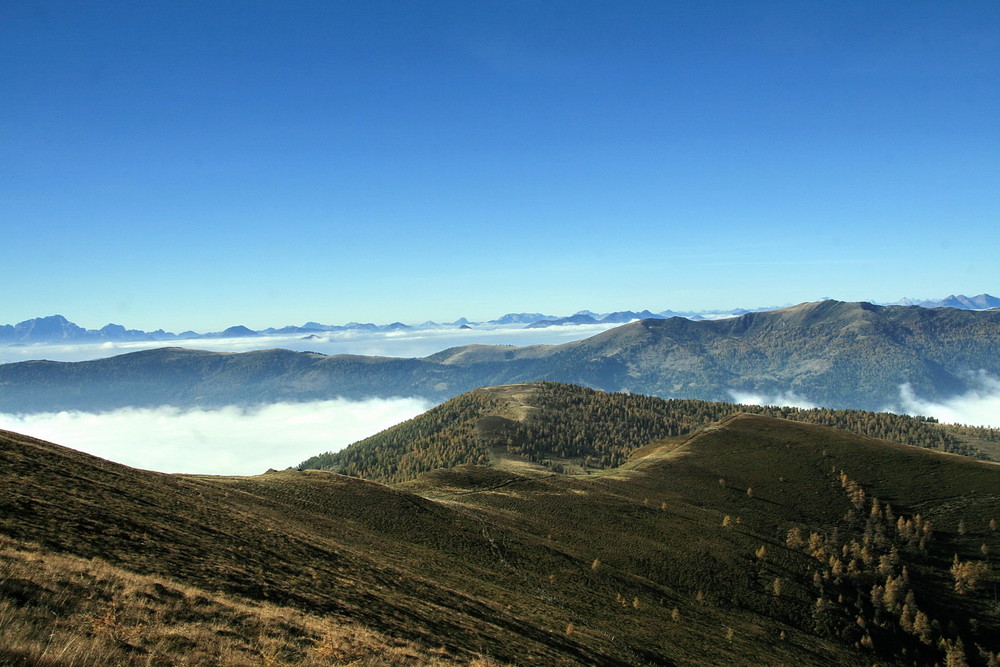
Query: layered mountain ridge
(57, 329)
(830, 353)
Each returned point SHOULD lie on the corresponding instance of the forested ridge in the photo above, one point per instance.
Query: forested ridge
(566, 423)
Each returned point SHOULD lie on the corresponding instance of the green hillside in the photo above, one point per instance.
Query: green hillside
(566, 428)
(753, 540)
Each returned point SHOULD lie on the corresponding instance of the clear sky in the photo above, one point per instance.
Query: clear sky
(195, 165)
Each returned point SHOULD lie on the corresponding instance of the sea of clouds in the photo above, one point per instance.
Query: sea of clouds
(403, 343)
(235, 441)
(227, 441)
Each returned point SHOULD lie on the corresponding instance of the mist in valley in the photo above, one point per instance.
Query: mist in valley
(227, 441)
(236, 441)
(406, 343)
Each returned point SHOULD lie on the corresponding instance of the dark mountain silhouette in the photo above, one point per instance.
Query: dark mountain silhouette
(579, 318)
(238, 331)
(522, 318)
(57, 329)
(54, 328)
(620, 317)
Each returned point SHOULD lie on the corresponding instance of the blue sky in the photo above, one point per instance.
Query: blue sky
(195, 165)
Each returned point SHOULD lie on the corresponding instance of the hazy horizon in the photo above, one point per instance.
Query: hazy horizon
(423, 326)
(388, 319)
(402, 343)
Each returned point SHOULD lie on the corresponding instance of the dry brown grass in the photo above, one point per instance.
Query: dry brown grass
(482, 576)
(61, 610)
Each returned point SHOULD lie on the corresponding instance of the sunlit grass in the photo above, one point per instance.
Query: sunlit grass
(57, 609)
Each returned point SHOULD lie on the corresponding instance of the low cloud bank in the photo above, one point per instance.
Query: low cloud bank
(227, 441)
(789, 399)
(978, 407)
(405, 343)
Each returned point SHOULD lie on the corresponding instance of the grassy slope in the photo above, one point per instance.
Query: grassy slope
(660, 519)
(59, 609)
(335, 546)
(629, 566)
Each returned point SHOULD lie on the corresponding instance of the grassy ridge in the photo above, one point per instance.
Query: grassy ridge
(704, 527)
(573, 428)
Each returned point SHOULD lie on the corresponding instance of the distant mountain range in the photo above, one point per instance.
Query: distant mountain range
(832, 353)
(960, 301)
(57, 329)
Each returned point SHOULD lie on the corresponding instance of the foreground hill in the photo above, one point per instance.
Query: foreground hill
(839, 355)
(547, 426)
(752, 541)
